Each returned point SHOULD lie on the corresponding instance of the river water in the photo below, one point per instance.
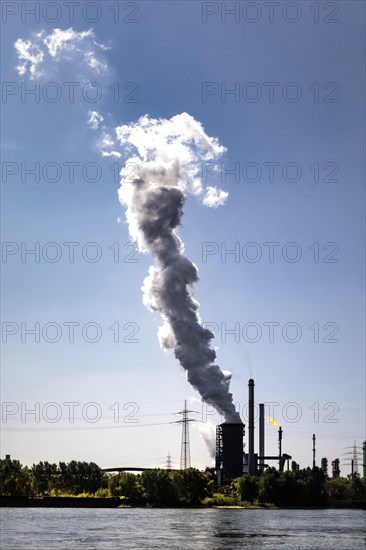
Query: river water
(201, 529)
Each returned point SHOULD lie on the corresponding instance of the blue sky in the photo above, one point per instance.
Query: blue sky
(169, 55)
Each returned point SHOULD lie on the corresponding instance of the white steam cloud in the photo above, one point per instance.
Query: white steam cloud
(106, 142)
(38, 55)
(155, 182)
(163, 168)
(95, 120)
(207, 432)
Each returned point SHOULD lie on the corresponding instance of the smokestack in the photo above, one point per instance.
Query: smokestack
(229, 451)
(251, 462)
(280, 448)
(261, 436)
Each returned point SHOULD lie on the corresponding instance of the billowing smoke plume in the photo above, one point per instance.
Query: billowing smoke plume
(153, 189)
(208, 433)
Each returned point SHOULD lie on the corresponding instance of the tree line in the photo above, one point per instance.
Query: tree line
(44, 478)
(307, 487)
(159, 487)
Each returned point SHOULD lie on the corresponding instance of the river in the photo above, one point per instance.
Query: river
(183, 529)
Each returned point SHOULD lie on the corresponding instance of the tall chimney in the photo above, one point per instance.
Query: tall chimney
(280, 449)
(251, 462)
(261, 436)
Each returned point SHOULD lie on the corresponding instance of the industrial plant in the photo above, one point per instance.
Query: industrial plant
(231, 459)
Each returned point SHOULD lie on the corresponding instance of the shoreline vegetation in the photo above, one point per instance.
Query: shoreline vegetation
(116, 502)
(86, 485)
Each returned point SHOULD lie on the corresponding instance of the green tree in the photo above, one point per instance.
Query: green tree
(316, 480)
(293, 489)
(80, 477)
(191, 486)
(339, 488)
(64, 481)
(268, 487)
(246, 487)
(158, 489)
(359, 488)
(15, 480)
(92, 477)
(127, 485)
(44, 477)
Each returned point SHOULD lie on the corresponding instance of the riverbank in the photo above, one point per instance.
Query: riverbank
(117, 502)
(60, 502)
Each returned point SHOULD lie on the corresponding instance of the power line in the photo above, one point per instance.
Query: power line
(85, 428)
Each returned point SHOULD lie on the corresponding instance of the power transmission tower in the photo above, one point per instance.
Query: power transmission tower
(185, 452)
(356, 451)
(168, 461)
(355, 459)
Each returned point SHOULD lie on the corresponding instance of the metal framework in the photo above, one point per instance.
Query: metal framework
(169, 461)
(356, 454)
(185, 451)
(219, 461)
(354, 459)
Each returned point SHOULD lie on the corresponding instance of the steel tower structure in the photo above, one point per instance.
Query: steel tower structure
(185, 451)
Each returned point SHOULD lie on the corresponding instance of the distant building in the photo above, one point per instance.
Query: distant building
(336, 472)
(324, 465)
